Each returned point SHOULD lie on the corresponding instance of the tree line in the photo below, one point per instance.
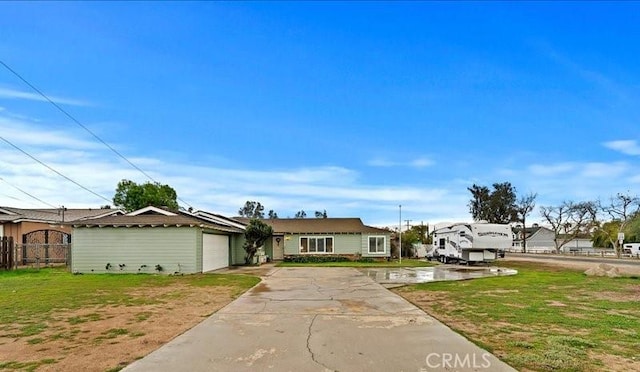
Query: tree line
(254, 209)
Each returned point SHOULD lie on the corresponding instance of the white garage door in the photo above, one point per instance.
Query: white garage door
(215, 251)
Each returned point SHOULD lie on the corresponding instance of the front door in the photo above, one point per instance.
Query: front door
(278, 248)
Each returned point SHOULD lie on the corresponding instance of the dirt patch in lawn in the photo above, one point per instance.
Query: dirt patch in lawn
(631, 293)
(108, 337)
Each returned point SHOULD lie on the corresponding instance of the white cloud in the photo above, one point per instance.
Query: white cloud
(334, 188)
(17, 94)
(628, 147)
(421, 162)
(552, 169)
(224, 189)
(379, 162)
(604, 170)
(24, 133)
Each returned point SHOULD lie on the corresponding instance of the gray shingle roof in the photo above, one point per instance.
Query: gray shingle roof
(51, 215)
(153, 220)
(318, 225)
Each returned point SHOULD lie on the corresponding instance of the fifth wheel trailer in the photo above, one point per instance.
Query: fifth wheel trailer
(471, 242)
(632, 249)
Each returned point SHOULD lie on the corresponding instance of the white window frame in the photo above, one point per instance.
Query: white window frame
(384, 244)
(317, 238)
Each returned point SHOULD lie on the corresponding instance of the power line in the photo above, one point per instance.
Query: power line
(26, 193)
(68, 115)
(53, 170)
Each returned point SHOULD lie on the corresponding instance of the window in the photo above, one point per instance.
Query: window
(313, 244)
(377, 244)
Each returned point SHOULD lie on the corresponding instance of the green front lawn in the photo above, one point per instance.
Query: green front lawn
(409, 262)
(544, 319)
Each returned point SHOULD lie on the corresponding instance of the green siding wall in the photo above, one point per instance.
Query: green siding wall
(237, 251)
(174, 248)
(365, 246)
(268, 247)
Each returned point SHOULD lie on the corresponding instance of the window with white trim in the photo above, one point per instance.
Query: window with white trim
(316, 244)
(377, 244)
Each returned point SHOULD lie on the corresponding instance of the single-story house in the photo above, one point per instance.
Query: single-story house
(44, 233)
(153, 240)
(325, 236)
(540, 239)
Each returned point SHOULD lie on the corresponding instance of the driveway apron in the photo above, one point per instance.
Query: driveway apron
(319, 319)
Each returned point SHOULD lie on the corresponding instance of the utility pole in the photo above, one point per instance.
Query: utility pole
(400, 233)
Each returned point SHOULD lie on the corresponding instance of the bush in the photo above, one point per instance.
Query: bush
(316, 259)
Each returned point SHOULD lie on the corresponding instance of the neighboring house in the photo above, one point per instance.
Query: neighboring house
(155, 240)
(42, 232)
(325, 236)
(540, 239)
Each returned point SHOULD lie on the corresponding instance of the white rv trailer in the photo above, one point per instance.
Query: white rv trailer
(471, 242)
(632, 249)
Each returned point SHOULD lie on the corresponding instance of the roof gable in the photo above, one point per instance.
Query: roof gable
(156, 217)
(152, 211)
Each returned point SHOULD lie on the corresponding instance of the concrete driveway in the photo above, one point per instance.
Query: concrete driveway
(319, 319)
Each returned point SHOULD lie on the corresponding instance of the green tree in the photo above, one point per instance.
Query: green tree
(301, 214)
(322, 214)
(606, 234)
(272, 215)
(632, 230)
(409, 238)
(131, 196)
(479, 203)
(495, 206)
(252, 209)
(621, 208)
(256, 233)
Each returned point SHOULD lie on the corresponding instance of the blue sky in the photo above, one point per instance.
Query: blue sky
(354, 107)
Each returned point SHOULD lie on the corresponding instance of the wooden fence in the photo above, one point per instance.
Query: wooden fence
(6, 253)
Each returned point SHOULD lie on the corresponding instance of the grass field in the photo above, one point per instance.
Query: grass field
(96, 322)
(545, 318)
(394, 263)
(30, 296)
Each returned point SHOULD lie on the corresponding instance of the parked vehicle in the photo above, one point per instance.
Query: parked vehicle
(471, 242)
(632, 249)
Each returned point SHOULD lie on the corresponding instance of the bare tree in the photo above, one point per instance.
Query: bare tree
(524, 206)
(621, 208)
(569, 220)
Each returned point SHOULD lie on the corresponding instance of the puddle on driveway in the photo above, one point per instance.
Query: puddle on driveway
(412, 275)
